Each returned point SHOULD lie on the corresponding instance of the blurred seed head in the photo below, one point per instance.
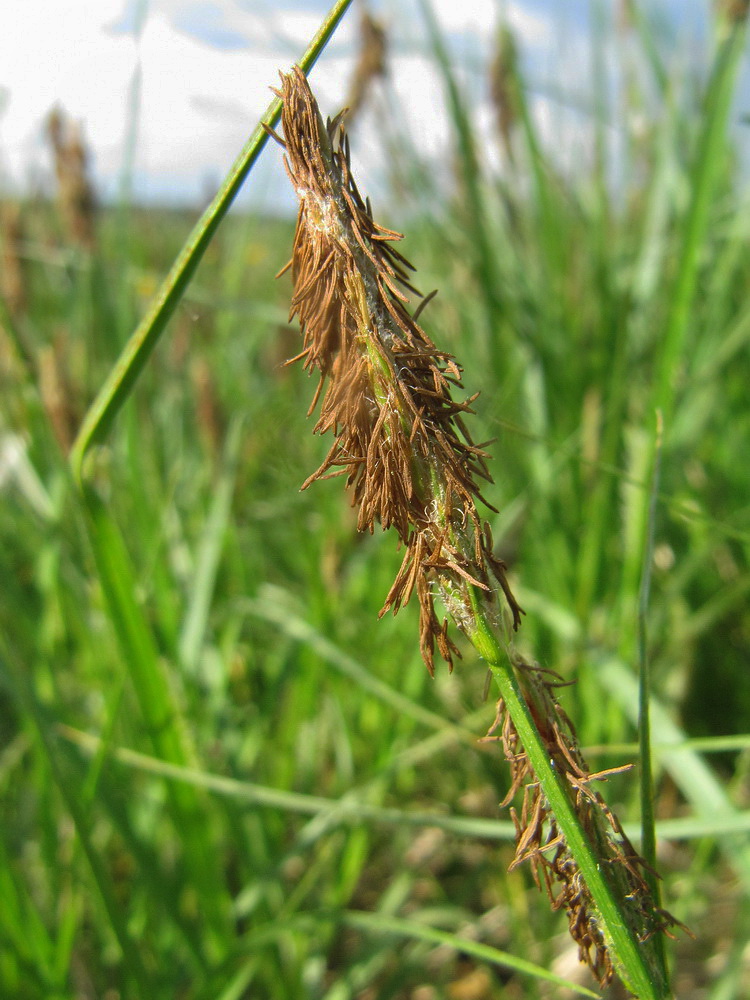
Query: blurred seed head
(75, 193)
(504, 83)
(371, 63)
(12, 277)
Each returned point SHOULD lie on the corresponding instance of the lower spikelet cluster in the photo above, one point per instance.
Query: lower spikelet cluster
(385, 390)
(539, 840)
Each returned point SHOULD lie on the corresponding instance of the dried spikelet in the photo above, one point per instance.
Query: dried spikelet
(75, 193)
(56, 392)
(540, 841)
(734, 10)
(400, 439)
(624, 17)
(370, 63)
(504, 88)
(208, 412)
(12, 276)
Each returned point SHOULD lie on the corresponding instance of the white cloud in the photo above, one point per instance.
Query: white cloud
(60, 54)
(206, 68)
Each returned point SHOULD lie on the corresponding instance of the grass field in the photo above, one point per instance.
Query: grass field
(248, 786)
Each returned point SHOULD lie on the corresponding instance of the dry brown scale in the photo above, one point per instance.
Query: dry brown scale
(399, 437)
(539, 841)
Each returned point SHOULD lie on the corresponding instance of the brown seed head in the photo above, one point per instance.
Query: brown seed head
(75, 192)
(399, 436)
(370, 63)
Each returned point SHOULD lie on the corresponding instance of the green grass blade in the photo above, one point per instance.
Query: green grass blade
(43, 730)
(648, 832)
(204, 581)
(157, 704)
(273, 605)
(377, 923)
(124, 374)
(703, 182)
(471, 172)
(349, 809)
(703, 179)
(691, 774)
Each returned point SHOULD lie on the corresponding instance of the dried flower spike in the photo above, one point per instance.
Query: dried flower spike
(540, 841)
(504, 88)
(385, 392)
(400, 439)
(75, 193)
(370, 63)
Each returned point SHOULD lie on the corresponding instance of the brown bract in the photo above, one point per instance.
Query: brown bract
(399, 436)
(540, 842)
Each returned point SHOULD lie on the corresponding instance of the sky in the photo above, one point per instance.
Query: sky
(168, 91)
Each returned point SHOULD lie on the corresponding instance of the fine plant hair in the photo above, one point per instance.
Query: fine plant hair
(401, 443)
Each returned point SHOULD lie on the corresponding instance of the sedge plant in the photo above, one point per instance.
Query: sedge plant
(403, 445)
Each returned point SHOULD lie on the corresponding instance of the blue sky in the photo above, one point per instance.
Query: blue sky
(181, 83)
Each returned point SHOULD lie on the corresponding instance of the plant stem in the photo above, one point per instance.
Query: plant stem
(627, 950)
(648, 832)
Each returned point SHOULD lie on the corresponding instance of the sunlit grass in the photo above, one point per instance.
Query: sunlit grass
(259, 604)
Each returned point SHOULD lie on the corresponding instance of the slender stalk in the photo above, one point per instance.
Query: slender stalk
(628, 950)
(648, 831)
(123, 376)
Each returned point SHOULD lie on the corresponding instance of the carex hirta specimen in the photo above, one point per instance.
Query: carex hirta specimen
(399, 436)
(386, 393)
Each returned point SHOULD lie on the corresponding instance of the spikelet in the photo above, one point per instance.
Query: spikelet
(56, 392)
(13, 285)
(75, 193)
(735, 11)
(385, 390)
(370, 63)
(504, 88)
(540, 842)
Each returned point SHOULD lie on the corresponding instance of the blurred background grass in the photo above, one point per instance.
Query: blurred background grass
(303, 734)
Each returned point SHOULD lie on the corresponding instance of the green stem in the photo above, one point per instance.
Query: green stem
(628, 952)
(131, 362)
(648, 820)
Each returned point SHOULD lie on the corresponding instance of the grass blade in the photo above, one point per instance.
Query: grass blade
(648, 832)
(377, 923)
